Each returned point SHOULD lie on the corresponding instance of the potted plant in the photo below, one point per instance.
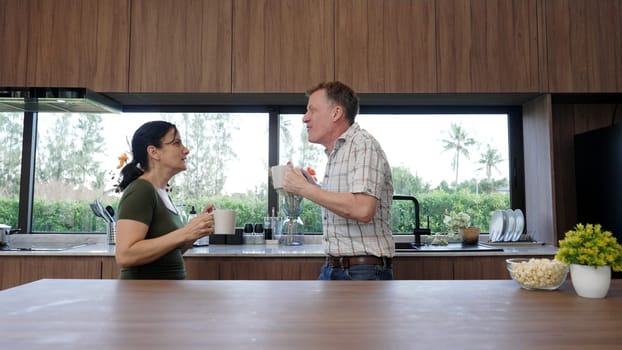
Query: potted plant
(460, 223)
(456, 221)
(592, 253)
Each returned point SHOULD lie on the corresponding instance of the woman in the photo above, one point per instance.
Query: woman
(150, 238)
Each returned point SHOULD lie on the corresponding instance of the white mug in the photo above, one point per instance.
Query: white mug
(278, 174)
(224, 221)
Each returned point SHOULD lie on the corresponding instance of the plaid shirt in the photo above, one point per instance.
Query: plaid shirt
(358, 164)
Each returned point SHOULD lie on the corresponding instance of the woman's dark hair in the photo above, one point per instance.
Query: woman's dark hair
(149, 134)
(341, 94)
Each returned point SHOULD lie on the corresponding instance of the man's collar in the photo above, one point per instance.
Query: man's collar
(343, 137)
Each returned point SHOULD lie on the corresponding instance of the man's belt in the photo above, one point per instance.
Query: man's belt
(347, 261)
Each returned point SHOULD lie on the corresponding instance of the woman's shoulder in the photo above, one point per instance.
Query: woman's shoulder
(137, 199)
(139, 186)
(141, 183)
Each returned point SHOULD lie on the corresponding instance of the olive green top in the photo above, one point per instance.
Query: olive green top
(141, 202)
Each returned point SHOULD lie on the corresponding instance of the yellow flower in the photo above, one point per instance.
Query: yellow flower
(589, 245)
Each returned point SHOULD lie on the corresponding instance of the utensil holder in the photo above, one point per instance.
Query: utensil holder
(111, 232)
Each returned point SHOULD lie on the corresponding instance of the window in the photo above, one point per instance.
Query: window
(78, 154)
(449, 162)
(11, 131)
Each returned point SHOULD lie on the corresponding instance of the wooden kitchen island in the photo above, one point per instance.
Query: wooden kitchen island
(192, 314)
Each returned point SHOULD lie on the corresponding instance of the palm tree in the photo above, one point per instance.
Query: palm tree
(489, 159)
(458, 141)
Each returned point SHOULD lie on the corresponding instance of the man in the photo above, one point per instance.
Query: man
(356, 192)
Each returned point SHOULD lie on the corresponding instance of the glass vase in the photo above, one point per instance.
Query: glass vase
(291, 232)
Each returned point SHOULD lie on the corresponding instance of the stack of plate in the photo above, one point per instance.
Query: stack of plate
(506, 225)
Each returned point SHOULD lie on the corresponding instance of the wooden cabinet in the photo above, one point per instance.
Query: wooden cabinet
(273, 46)
(480, 268)
(386, 46)
(246, 268)
(237, 268)
(180, 46)
(584, 45)
(282, 45)
(202, 268)
(450, 268)
(487, 46)
(422, 268)
(16, 270)
(271, 269)
(78, 43)
(404, 268)
(110, 270)
(13, 42)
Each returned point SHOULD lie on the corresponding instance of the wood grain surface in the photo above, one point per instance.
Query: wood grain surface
(487, 45)
(180, 46)
(13, 43)
(584, 45)
(78, 43)
(282, 46)
(386, 46)
(483, 314)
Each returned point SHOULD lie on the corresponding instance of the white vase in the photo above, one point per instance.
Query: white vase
(590, 281)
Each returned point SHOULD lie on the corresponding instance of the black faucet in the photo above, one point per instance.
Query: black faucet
(418, 231)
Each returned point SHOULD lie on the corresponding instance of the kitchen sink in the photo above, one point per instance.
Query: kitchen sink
(451, 247)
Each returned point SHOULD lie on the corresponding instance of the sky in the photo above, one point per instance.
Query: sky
(415, 142)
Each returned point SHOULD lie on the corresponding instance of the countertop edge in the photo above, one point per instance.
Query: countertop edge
(275, 251)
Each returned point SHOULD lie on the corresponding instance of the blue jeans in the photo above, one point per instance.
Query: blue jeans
(356, 272)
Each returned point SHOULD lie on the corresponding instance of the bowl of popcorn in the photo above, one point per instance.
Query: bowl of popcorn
(537, 273)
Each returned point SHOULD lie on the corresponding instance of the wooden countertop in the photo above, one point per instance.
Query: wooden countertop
(482, 314)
